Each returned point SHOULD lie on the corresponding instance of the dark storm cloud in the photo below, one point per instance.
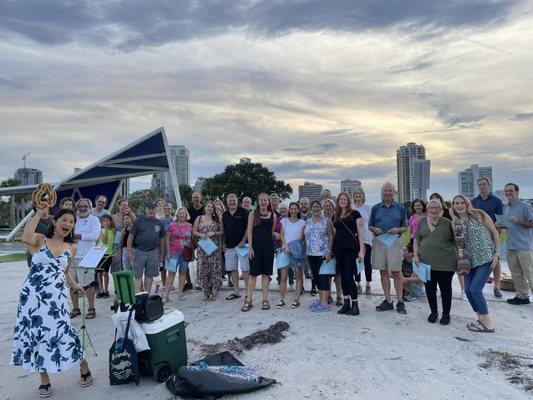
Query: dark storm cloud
(129, 24)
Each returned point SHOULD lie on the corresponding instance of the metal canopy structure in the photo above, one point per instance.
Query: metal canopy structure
(147, 155)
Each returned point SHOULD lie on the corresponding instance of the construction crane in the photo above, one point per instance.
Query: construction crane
(24, 160)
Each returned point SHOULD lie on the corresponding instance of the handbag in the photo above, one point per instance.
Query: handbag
(136, 334)
(187, 253)
(148, 308)
(282, 259)
(123, 366)
(463, 261)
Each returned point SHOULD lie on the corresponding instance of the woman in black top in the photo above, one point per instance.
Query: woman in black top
(347, 249)
(261, 226)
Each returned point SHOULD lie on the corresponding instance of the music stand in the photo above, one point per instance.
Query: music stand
(88, 263)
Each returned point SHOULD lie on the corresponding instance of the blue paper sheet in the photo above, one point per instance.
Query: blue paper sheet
(207, 245)
(282, 259)
(388, 239)
(328, 267)
(503, 221)
(360, 266)
(423, 271)
(243, 251)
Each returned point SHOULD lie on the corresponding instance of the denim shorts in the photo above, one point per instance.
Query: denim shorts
(176, 261)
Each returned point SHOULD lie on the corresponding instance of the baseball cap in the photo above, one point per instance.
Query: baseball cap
(151, 204)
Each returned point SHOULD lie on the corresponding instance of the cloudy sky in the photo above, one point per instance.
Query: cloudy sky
(315, 90)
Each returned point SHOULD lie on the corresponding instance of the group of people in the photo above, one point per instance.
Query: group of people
(325, 240)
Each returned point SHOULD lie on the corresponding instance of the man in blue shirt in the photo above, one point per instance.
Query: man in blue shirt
(519, 244)
(389, 217)
(492, 206)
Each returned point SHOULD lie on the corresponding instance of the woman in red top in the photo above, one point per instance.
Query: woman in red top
(178, 236)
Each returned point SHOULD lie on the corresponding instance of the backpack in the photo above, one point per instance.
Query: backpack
(148, 308)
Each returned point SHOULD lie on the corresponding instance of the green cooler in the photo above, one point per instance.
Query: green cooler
(168, 346)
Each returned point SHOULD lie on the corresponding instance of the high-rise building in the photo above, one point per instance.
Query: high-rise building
(29, 176)
(408, 169)
(349, 186)
(199, 184)
(245, 160)
(179, 157)
(310, 190)
(467, 179)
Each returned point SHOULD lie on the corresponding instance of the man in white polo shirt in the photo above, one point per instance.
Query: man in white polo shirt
(86, 232)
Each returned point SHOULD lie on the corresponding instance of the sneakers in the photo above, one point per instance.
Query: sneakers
(463, 296)
(339, 303)
(313, 292)
(354, 310)
(497, 293)
(320, 308)
(409, 296)
(517, 301)
(314, 304)
(445, 320)
(385, 306)
(345, 307)
(433, 318)
(400, 307)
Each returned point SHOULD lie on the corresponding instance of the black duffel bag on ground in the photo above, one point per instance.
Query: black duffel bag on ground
(148, 308)
(123, 365)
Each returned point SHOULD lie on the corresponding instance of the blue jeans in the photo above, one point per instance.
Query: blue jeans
(474, 284)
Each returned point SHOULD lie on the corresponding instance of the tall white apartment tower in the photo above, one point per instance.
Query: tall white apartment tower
(412, 172)
(467, 179)
(180, 159)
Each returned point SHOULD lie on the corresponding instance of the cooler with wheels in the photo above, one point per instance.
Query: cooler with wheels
(168, 346)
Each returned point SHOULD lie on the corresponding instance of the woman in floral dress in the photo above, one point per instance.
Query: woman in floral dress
(43, 339)
(206, 226)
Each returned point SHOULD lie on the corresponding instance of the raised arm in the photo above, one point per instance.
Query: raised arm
(32, 240)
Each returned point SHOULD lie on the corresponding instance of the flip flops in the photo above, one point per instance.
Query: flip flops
(479, 326)
(233, 296)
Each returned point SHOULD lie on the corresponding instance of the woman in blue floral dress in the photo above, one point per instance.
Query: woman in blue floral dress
(43, 339)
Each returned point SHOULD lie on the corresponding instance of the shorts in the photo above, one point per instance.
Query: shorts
(263, 261)
(179, 264)
(389, 259)
(83, 276)
(146, 262)
(233, 259)
(126, 262)
(105, 263)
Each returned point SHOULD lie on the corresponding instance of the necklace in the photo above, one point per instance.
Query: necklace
(432, 224)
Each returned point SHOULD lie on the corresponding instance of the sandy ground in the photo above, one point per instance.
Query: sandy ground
(326, 356)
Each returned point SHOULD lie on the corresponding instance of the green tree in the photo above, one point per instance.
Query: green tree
(138, 199)
(8, 209)
(186, 194)
(407, 205)
(245, 180)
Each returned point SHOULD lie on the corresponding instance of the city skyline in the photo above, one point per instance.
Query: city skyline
(314, 91)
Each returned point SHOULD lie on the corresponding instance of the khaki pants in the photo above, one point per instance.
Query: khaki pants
(521, 266)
